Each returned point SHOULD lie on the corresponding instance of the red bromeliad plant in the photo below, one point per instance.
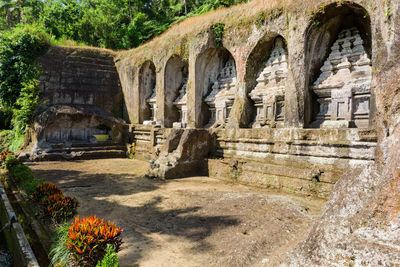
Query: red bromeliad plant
(45, 190)
(88, 238)
(58, 208)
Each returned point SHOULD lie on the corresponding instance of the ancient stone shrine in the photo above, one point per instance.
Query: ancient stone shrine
(269, 94)
(180, 103)
(152, 100)
(344, 86)
(222, 95)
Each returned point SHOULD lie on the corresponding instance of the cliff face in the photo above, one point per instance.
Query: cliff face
(361, 221)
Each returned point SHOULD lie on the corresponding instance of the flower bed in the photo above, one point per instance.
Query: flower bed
(89, 241)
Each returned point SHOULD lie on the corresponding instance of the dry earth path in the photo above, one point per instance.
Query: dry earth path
(195, 221)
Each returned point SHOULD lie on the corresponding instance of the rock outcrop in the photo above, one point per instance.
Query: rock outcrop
(183, 154)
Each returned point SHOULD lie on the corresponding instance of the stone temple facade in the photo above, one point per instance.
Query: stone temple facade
(287, 107)
(300, 101)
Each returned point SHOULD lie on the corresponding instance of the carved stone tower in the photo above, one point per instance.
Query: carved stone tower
(269, 93)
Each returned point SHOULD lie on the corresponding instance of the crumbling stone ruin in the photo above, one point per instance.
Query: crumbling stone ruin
(293, 102)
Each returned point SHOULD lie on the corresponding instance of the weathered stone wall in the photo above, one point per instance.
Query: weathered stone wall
(361, 221)
(81, 76)
(306, 161)
(310, 67)
(334, 68)
(81, 96)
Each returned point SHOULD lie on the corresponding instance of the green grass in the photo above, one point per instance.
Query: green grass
(17, 142)
(59, 254)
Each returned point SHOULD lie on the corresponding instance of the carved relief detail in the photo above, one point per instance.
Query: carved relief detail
(269, 93)
(344, 87)
(220, 99)
(180, 103)
(152, 101)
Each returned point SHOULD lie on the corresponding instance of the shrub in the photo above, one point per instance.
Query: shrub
(25, 178)
(59, 253)
(10, 161)
(44, 190)
(110, 259)
(19, 73)
(88, 239)
(30, 185)
(6, 137)
(58, 208)
(21, 173)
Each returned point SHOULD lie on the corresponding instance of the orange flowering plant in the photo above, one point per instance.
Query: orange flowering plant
(8, 160)
(58, 208)
(88, 238)
(45, 190)
(4, 155)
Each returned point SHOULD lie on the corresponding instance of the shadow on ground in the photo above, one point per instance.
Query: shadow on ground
(119, 197)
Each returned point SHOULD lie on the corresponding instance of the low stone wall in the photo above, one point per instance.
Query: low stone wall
(306, 161)
(147, 139)
(19, 247)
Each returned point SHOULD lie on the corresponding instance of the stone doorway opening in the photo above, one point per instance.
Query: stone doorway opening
(215, 86)
(175, 83)
(147, 93)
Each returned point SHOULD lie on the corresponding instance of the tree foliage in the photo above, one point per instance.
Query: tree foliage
(19, 93)
(115, 24)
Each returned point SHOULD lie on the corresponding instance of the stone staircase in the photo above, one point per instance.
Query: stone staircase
(82, 151)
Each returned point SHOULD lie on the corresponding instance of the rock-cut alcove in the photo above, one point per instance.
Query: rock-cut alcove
(338, 68)
(147, 93)
(175, 82)
(216, 84)
(266, 74)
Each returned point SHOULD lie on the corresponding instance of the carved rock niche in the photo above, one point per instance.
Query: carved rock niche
(269, 93)
(152, 100)
(343, 89)
(180, 103)
(220, 99)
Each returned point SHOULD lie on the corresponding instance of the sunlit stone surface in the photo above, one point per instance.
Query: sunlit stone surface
(269, 94)
(344, 86)
(220, 99)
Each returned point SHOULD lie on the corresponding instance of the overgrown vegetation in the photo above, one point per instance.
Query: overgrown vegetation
(6, 137)
(218, 30)
(115, 24)
(19, 74)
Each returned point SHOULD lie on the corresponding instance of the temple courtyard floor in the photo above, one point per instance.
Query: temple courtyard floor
(197, 221)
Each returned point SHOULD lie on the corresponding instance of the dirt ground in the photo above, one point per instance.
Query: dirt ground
(195, 221)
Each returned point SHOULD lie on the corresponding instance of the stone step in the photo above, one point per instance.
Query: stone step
(91, 148)
(85, 144)
(80, 155)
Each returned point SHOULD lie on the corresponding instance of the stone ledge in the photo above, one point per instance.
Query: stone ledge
(21, 251)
